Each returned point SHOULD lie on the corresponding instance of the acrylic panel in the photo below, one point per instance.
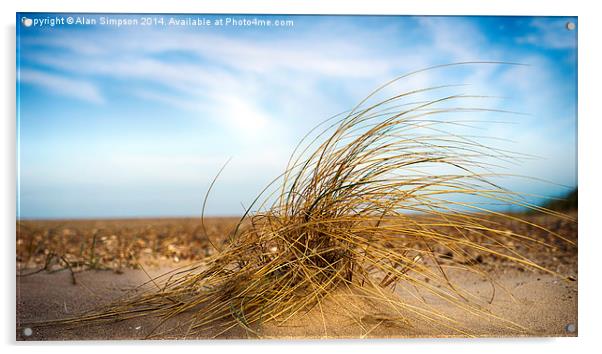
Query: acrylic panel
(198, 176)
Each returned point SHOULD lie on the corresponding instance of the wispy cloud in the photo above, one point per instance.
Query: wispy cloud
(62, 85)
(208, 95)
(238, 82)
(458, 39)
(550, 34)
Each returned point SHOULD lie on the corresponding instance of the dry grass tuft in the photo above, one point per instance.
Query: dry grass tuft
(357, 210)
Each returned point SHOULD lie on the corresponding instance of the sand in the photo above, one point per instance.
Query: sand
(543, 304)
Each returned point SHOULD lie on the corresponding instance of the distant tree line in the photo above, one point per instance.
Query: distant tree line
(568, 202)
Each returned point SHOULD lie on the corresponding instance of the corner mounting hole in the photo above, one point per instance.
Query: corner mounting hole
(570, 26)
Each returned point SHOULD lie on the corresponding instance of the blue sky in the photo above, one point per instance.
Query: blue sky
(137, 120)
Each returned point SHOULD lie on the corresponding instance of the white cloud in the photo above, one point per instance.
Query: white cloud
(263, 92)
(233, 80)
(62, 85)
(458, 39)
(550, 34)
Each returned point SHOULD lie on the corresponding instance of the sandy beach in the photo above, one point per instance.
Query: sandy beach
(514, 301)
(543, 304)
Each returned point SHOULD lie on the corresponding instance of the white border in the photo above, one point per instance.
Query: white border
(424, 7)
(589, 160)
